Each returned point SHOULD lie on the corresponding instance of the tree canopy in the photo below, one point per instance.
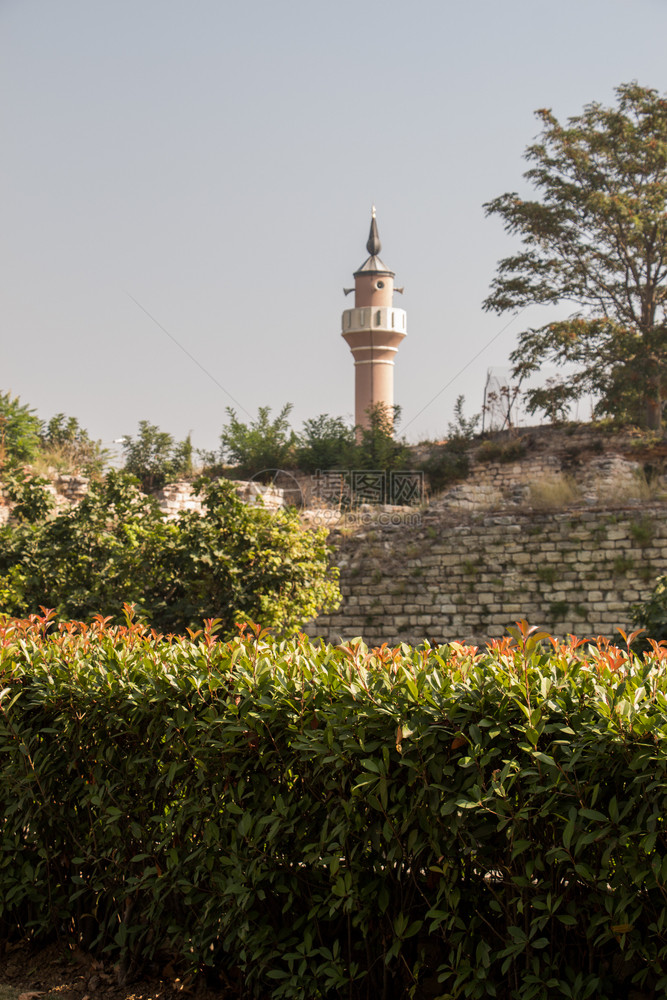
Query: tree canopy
(326, 443)
(65, 443)
(377, 447)
(60, 443)
(20, 428)
(260, 447)
(232, 562)
(265, 445)
(594, 237)
(154, 458)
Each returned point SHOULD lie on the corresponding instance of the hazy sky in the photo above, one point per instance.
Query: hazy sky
(217, 163)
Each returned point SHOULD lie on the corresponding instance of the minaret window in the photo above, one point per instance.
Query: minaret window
(393, 319)
(380, 284)
(348, 319)
(378, 318)
(362, 317)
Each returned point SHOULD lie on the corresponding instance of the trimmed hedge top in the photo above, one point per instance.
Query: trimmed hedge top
(318, 821)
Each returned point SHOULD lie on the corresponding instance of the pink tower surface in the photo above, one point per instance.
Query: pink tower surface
(373, 330)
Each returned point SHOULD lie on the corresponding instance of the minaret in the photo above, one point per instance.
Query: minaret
(373, 331)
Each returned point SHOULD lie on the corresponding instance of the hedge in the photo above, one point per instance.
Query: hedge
(314, 821)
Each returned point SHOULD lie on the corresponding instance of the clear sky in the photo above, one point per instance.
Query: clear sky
(213, 164)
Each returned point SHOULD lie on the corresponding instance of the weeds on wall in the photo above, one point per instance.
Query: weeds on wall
(622, 565)
(447, 464)
(495, 451)
(558, 610)
(547, 574)
(643, 531)
(553, 491)
(630, 489)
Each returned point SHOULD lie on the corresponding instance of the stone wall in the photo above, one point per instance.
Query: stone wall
(65, 490)
(578, 463)
(171, 499)
(72, 488)
(176, 497)
(563, 528)
(572, 571)
(567, 533)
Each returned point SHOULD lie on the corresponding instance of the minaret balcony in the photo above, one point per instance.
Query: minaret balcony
(374, 318)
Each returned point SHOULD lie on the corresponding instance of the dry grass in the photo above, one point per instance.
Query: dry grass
(634, 487)
(48, 462)
(562, 490)
(558, 490)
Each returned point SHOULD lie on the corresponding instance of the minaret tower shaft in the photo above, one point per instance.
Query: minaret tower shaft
(373, 330)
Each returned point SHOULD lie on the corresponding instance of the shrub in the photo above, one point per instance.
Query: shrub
(326, 443)
(651, 614)
(447, 464)
(463, 428)
(494, 451)
(262, 446)
(489, 451)
(154, 458)
(115, 546)
(326, 822)
(67, 447)
(377, 447)
(19, 430)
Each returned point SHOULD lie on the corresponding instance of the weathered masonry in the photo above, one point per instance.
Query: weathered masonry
(576, 571)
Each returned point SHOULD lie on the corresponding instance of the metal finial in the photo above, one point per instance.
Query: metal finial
(373, 246)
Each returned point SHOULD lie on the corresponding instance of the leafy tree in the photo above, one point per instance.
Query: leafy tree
(377, 447)
(19, 430)
(595, 236)
(64, 441)
(29, 495)
(90, 557)
(239, 562)
(233, 562)
(155, 458)
(261, 445)
(554, 399)
(325, 443)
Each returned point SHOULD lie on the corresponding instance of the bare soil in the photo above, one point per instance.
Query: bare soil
(63, 972)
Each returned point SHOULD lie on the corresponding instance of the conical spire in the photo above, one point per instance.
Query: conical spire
(374, 264)
(373, 246)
